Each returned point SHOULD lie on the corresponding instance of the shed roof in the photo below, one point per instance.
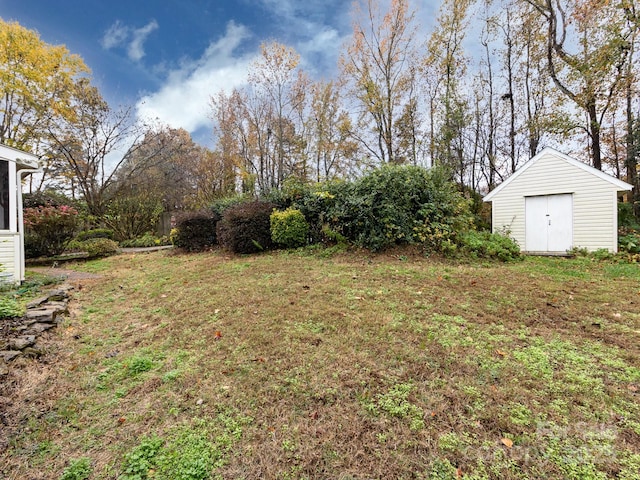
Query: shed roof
(23, 159)
(619, 184)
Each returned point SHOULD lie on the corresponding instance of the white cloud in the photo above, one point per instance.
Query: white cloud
(132, 39)
(183, 101)
(139, 35)
(115, 36)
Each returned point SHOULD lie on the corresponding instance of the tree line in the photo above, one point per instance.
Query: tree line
(484, 90)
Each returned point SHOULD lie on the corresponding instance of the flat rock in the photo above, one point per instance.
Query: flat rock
(40, 327)
(60, 293)
(8, 355)
(21, 342)
(32, 352)
(37, 302)
(45, 313)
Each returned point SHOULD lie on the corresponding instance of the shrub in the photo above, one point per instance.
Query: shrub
(626, 217)
(130, 216)
(246, 228)
(45, 198)
(99, 247)
(196, 231)
(221, 205)
(629, 243)
(489, 245)
(48, 229)
(94, 233)
(10, 307)
(146, 240)
(400, 204)
(289, 228)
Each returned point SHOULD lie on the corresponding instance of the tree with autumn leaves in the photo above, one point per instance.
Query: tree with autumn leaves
(485, 89)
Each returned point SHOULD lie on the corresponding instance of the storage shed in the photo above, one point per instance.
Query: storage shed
(14, 165)
(554, 203)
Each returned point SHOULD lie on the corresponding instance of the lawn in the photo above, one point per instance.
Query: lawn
(353, 366)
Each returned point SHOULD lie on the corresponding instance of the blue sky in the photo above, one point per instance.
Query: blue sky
(168, 57)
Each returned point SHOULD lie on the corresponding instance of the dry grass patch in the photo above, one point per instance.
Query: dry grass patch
(288, 365)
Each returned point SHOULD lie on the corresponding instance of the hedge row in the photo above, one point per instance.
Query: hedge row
(389, 206)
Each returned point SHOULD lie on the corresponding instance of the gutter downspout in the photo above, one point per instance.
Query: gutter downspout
(21, 174)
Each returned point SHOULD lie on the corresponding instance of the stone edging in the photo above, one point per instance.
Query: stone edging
(43, 313)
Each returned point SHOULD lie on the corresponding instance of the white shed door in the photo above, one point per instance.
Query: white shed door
(549, 223)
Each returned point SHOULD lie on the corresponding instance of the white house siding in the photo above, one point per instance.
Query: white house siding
(7, 257)
(594, 202)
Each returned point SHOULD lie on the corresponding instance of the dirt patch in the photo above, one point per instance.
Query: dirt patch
(70, 276)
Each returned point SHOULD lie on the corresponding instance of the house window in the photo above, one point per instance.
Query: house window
(4, 195)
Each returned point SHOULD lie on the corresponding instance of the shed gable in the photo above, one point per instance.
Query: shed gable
(594, 199)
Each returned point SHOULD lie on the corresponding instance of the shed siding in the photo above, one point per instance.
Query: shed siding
(594, 218)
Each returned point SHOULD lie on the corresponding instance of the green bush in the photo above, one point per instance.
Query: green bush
(146, 240)
(626, 218)
(196, 231)
(289, 228)
(130, 216)
(489, 245)
(47, 197)
(629, 243)
(221, 205)
(10, 307)
(246, 227)
(94, 233)
(48, 229)
(400, 204)
(99, 247)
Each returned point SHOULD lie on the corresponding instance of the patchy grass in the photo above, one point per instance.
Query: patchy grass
(292, 365)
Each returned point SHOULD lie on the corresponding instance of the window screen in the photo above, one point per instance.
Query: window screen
(4, 195)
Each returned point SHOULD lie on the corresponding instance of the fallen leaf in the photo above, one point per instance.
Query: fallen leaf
(458, 472)
(217, 335)
(313, 415)
(507, 442)
(121, 420)
(501, 353)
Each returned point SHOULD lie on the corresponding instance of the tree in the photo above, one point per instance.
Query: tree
(168, 166)
(379, 68)
(446, 65)
(96, 142)
(588, 46)
(36, 81)
(329, 139)
(275, 76)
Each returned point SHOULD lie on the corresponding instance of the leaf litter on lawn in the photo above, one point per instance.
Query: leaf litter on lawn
(349, 366)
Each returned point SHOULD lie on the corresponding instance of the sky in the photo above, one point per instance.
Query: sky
(168, 57)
